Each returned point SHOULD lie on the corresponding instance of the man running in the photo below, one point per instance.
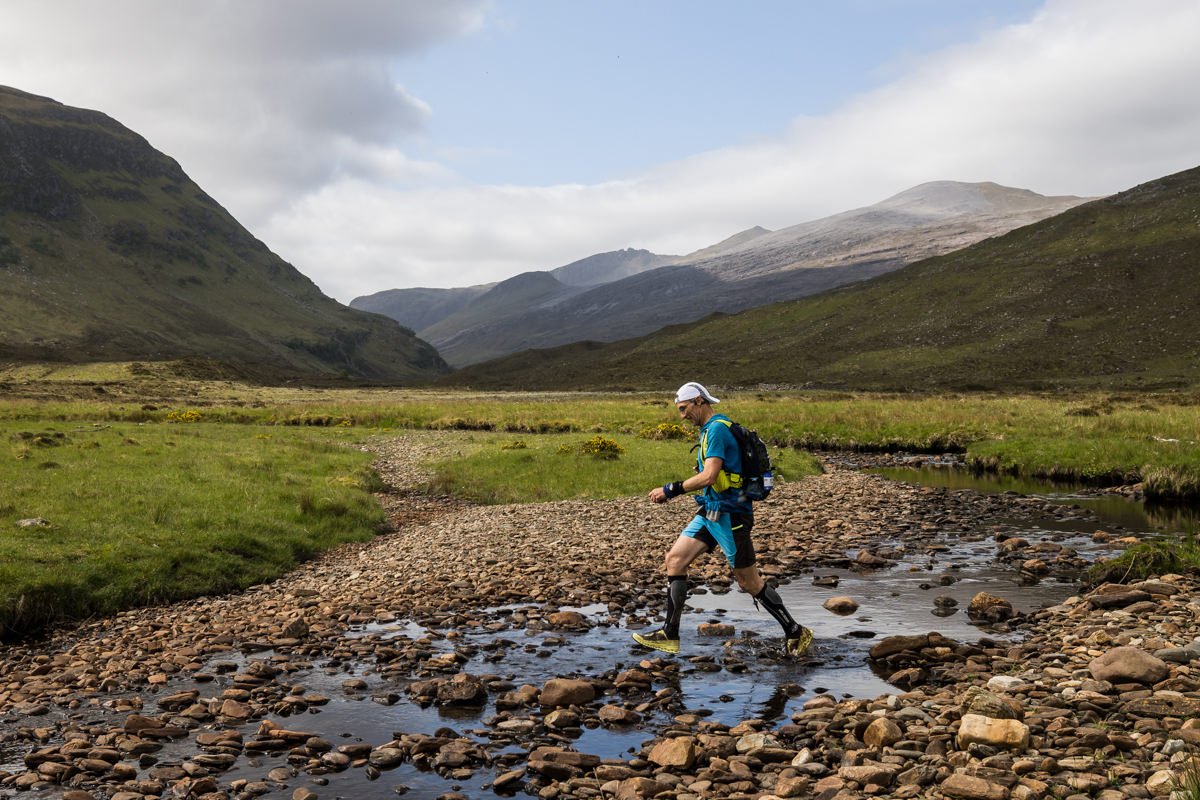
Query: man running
(723, 520)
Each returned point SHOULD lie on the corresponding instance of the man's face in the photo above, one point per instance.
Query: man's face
(689, 409)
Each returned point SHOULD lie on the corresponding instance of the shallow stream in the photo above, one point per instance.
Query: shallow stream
(724, 683)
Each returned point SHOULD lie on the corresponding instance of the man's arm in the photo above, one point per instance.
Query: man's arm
(703, 479)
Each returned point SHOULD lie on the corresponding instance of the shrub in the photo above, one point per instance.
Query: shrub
(667, 430)
(600, 447)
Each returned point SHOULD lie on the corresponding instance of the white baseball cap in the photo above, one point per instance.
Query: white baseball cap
(692, 390)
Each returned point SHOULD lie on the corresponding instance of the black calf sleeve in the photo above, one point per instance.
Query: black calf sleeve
(676, 599)
(774, 605)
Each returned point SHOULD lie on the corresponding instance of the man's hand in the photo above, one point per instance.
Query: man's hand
(664, 493)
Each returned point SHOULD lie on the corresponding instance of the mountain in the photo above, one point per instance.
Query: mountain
(423, 309)
(747, 270)
(608, 267)
(1104, 295)
(109, 252)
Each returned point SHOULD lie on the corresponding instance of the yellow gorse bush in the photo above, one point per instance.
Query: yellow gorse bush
(667, 430)
(601, 447)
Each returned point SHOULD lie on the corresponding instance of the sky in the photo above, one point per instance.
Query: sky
(385, 144)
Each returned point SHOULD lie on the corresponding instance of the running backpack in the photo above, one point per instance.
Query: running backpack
(758, 476)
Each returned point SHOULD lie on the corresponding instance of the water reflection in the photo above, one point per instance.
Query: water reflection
(1111, 509)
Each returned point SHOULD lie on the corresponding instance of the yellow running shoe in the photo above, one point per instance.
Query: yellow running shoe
(796, 646)
(658, 640)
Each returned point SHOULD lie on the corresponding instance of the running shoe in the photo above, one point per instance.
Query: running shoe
(796, 646)
(658, 640)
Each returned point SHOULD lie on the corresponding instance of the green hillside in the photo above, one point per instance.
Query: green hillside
(1104, 295)
(109, 252)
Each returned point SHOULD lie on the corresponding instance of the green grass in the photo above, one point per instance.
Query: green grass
(500, 469)
(1097, 437)
(146, 510)
(1148, 559)
(142, 514)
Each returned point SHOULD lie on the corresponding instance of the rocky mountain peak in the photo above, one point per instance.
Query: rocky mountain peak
(953, 198)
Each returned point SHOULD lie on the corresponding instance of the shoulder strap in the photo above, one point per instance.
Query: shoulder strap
(704, 439)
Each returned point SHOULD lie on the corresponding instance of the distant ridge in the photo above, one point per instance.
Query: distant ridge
(1104, 295)
(109, 252)
(749, 269)
(427, 309)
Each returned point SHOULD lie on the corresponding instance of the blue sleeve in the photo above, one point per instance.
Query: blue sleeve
(723, 445)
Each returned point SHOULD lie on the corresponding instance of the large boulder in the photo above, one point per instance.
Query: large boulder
(989, 608)
(567, 692)
(677, 752)
(1129, 665)
(842, 604)
(1009, 734)
(882, 732)
(463, 689)
(988, 704)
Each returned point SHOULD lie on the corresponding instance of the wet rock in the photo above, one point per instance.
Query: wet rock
(828, 581)
(559, 764)
(617, 715)
(989, 609)
(755, 743)
(869, 560)
(386, 757)
(841, 605)
(568, 620)
(677, 752)
(524, 696)
(236, 711)
(509, 781)
(1125, 664)
(462, 690)
(567, 692)
(718, 629)
(1035, 566)
(562, 718)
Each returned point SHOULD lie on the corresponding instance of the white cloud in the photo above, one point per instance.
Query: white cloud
(1089, 97)
(259, 101)
(291, 114)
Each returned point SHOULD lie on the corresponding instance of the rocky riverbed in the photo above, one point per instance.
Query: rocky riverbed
(508, 624)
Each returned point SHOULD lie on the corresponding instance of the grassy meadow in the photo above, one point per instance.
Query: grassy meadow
(157, 489)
